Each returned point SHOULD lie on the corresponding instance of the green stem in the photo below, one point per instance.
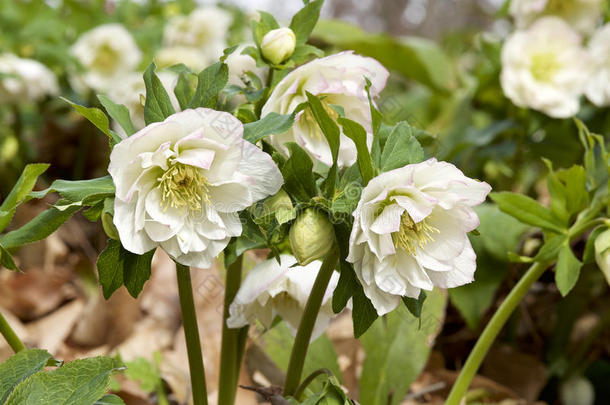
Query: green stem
(11, 337)
(310, 314)
(491, 331)
(191, 332)
(232, 342)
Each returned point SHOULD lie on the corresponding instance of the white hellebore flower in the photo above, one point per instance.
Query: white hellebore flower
(130, 90)
(25, 80)
(340, 80)
(205, 28)
(277, 45)
(272, 289)
(193, 58)
(107, 53)
(181, 183)
(598, 84)
(410, 232)
(582, 15)
(544, 68)
(239, 64)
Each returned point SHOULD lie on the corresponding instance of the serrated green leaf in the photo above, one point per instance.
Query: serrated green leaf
(528, 211)
(567, 269)
(390, 365)
(97, 118)
(298, 175)
(210, 82)
(109, 400)
(38, 228)
(19, 367)
(270, 124)
(80, 382)
(401, 148)
(110, 268)
(158, 105)
(79, 193)
(357, 133)
(550, 248)
(20, 191)
(304, 21)
(119, 113)
(144, 372)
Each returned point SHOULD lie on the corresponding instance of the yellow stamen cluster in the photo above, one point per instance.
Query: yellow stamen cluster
(183, 187)
(411, 234)
(309, 120)
(544, 65)
(105, 58)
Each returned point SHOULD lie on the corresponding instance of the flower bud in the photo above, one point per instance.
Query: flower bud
(278, 45)
(311, 236)
(109, 227)
(577, 391)
(602, 253)
(280, 206)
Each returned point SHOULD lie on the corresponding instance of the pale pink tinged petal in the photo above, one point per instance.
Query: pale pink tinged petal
(219, 126)
(201, 158)
(409, 268)
(189, 240)
(264, 177)
(389, 220)
(160, 212)
(416, 205)
(156, 158)
(388, 280)
(463, 273)
(159, 232)
(429, 262)
(134, 241)
(202, 260)
(232, 222)
(225, 165)
(386, 245)
(382, 301)
(230, 197)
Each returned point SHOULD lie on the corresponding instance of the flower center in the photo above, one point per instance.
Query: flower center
(309, 120)
(544, 65)
(183, 187)
(411, 234)
(105, 58)
(559, 7)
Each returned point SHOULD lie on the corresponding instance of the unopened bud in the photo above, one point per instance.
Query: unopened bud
(280, 206)
(602, 253)
(311, 236)
(278, 45)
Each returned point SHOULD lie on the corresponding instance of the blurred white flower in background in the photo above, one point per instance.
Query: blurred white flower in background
(411, 232)
(205, 29)
(272, 289)
(107, 53)
(340, 80)
(130, 91)
(25, 80)
(582, 15)
(193, 58)
(239, 65)
(545, 68)
(181, 183)
(598, 82)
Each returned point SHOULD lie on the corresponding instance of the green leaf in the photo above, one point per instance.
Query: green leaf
(401, 148)
(210, 82)
(304, 21)
(80, 382)
(298, 174)
(567, 269)
(183, 91)
(363, 312)
(270, 124)
(136, 270)
(19, 367)
(551, 247)
(6, 260)
(119, 113)
(500, 233)
(38, 228)
(109, 400)
(528, 211)
(20, 191)
(346, 286)
(589, 253)
(79, 193)
(97, 118)
(110, 268)
(415, 305)
(391, 365)
(357, 133)
(144, 372)
(158, 105)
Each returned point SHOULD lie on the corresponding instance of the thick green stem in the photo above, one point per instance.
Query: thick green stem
(232, 341)
(310, 314)
(11, 337)
(191, 332)
(491, 331)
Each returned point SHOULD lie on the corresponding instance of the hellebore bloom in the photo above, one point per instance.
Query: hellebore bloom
(26, 80)
(181, 183)
(410, 232)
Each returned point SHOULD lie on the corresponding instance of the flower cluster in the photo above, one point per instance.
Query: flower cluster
(25, 80)
(545, 65)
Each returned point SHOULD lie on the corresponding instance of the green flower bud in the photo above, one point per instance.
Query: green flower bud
(280, 206)
(277, 45)
(602, 253)
(109, 228)
(311, 236)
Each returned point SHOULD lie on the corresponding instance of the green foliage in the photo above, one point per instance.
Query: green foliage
(304, 21)
(298, 174)
(81, 382)
(119, 113)
(391, 365)
(567, 270)
(158, 106)
(357, 133)
(97, 118)
(271, 124)
(79, 193)
(109, 400)
(401, 148)
(528, 211)
(210, 82)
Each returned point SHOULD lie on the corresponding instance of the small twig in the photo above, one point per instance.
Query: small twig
(426, 390)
